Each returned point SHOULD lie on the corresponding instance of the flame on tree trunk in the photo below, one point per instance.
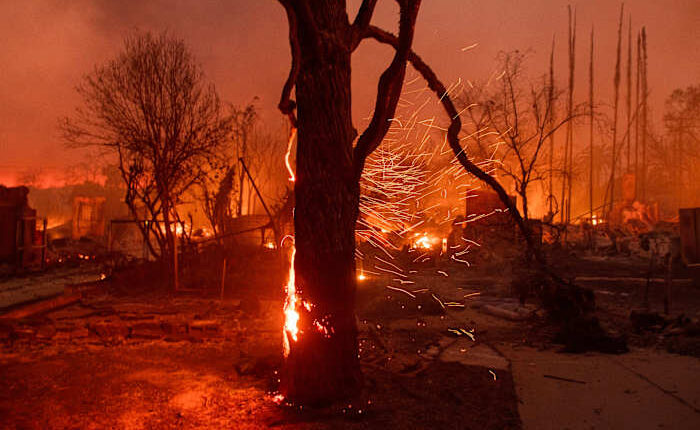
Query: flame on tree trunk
(321, 351)
(322, 362)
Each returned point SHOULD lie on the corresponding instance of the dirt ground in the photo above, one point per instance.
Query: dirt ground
(433, 353)
(156, 360)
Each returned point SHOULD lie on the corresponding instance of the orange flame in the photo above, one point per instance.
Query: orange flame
(291, 316)
(292, 177)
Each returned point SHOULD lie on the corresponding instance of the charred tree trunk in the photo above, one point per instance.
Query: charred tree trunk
(322, 362)
(628, 136)
(570, 108)
(644, 126)
(320, 365)
(550, 100)
(590, 130)
(616, 82)
(636, 120)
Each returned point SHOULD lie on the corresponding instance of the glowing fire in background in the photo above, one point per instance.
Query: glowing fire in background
(423, 241)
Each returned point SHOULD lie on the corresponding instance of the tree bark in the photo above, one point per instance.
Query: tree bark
(323, 363)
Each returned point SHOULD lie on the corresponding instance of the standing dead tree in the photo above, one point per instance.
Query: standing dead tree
(616, 82)
(322, 362)
(628, 94)
(567, 180)
(552, 114)
(590, 128)
(645, 115)
(151, 108)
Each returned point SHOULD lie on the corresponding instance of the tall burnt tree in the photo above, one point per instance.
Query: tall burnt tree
(616, 82)
(322, 364)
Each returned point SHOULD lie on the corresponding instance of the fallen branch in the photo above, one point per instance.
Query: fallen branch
(559, 378)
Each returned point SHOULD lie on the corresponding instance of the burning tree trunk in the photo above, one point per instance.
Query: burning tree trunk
(322, 363)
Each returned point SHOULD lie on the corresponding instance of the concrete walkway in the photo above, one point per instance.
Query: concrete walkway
(639, 390)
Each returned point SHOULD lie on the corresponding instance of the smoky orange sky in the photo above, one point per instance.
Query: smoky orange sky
(47, 46)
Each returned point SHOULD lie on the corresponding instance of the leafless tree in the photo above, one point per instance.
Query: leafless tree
(151, 108)
(512, 122)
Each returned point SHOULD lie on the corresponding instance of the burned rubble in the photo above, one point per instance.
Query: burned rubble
(399, 228)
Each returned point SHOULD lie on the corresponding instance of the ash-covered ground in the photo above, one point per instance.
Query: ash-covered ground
(453, 347)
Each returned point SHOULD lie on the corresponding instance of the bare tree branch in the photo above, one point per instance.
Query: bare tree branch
(440, 91)
(286, 104)
(389, 87)
(362, 20)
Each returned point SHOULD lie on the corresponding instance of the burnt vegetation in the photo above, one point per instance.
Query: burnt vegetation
(205, 269)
